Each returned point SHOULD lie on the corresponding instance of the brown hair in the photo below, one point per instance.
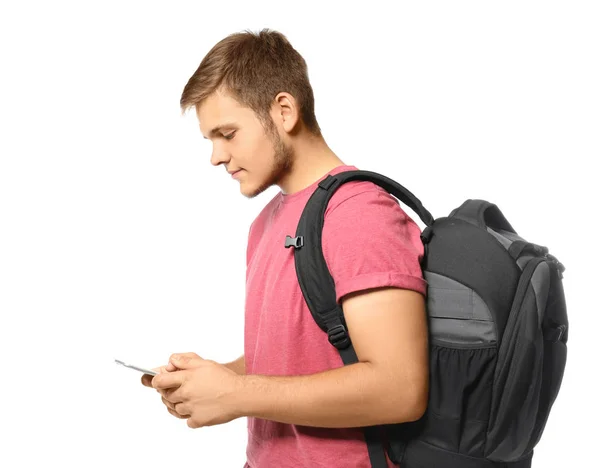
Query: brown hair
(253, 68)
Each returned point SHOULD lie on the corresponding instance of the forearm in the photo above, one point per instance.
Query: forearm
(350, 396)
(238, 366)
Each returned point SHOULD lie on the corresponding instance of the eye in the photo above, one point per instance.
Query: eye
(230, 136)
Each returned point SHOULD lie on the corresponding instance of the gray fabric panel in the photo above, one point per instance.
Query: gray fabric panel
(540, 281)
(457, 314)
(506, 239)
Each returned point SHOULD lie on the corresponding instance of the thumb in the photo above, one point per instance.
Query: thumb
(184, 361)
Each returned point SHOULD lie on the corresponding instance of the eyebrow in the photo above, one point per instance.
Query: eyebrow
(218, 128)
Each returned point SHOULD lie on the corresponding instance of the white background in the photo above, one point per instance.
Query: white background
(120, 240)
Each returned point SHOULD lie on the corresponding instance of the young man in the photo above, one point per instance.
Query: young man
(305, 408)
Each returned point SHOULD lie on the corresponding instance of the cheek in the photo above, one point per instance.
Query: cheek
(261, 158)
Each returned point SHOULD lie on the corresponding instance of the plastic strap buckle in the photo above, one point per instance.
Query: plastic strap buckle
(295, 242)
(338, 336)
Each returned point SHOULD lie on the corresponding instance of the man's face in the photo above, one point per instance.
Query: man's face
(241, 143)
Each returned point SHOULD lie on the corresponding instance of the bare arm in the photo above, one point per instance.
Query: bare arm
(238, 366)
(389, 383)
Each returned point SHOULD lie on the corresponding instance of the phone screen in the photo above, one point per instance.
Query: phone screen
(138, 368)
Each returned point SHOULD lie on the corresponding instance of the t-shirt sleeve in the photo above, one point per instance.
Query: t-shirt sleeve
(370, 242)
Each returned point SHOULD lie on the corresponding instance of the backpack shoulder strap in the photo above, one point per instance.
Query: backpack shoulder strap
(314, 277)
(316, 282)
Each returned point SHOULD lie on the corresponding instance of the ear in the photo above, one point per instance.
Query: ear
(285, 111)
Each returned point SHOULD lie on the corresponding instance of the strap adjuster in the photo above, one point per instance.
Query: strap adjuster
(426, 235)
(338, 336)
(327, 182)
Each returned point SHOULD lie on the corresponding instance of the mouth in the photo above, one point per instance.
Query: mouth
(234, 174)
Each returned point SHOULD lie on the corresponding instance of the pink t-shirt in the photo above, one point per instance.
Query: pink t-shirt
(368, 241)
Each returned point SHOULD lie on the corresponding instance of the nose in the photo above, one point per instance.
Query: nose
(219, 155)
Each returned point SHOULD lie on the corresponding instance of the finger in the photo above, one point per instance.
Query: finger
(147, 378)
(169, 380)
(176, 409)
(180, 408)
(191, 424)
(177, 415)
(174, 395)
(186, 355)
(168, 404)
(185, 360)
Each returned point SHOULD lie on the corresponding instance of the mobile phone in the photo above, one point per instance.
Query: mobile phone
(138, 368)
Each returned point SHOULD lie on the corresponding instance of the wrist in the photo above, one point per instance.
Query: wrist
(239, 396)
(238, 366)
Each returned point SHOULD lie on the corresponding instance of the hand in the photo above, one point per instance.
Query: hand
(147, 379)
(199, 390)
(147, 382)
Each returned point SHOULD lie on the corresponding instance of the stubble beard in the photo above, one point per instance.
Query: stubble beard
(283, 162)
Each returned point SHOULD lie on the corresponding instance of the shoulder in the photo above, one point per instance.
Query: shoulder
(364, 198)
(366, 217)
(369, 241)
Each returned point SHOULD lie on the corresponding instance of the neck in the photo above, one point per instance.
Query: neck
(312, 160)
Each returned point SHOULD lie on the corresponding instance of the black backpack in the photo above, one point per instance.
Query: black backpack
(496, 317)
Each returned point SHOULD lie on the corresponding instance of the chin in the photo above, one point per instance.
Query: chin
(247, 193)
(251, 190)
(247, 190)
